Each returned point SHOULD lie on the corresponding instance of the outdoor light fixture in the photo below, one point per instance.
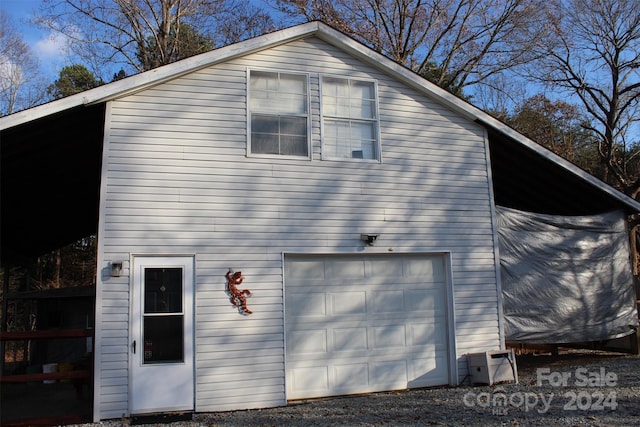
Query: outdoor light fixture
(116, 269)
(369, 239)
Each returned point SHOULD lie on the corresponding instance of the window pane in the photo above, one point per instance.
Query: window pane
(264, 124)
(342, 107)
(341, 87)
(293, 84)
(335, 97)
(261, 102)
(337, 148)
(350, 122)
(264, 81)
(362, 90)
(360, 131)
(349, 139)
(343, 131)
(328, 86)
(362, 109)
(163, 290)
(369, 149)
(278, 93)
(279, 135)
(293, 145)
(363, 139)
(337, 141)
(279, 118)
(264, 143)
(330, 129)
(163, 339)
(292, 104)
(293, 126)
(330, 146)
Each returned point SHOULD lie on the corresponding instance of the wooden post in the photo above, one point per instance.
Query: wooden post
(634, 229)
(5, 306)
(633, 241)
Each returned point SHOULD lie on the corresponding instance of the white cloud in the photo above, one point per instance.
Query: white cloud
(52, 46)
(53, 52)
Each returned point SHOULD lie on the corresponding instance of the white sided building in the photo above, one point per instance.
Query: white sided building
(356, 199)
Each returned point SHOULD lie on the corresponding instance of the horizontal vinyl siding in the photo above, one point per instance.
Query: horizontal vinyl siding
(179, 182)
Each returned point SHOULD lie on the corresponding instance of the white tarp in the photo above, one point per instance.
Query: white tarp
(565, 279)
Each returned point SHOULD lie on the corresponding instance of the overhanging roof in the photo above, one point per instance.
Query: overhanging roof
(51, 154)
(50, 183)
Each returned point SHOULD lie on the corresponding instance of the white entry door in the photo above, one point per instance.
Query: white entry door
(161, 347)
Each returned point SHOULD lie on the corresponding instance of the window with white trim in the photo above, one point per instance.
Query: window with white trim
(350, 119)
(278, 113)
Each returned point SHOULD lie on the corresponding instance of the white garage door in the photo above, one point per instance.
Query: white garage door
(358, 324)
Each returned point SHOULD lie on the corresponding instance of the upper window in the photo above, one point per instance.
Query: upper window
(278, 110)
(350, 119)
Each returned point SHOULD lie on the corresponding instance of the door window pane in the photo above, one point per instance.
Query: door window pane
(163, 290)
(163, 318)
(163, 339)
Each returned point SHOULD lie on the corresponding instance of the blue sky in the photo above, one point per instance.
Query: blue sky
(48, 48)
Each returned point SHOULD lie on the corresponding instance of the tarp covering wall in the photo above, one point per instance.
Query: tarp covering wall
(565, 279)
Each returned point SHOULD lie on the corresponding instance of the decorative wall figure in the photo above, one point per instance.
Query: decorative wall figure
(238, 297)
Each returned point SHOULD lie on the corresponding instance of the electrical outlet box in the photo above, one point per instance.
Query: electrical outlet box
(492, 367)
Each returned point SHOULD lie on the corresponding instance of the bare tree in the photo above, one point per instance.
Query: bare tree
(137, 34)
(242, 20)
(558, 126)
(592, 52)
(455, 43)
(500, 94)
(20, 81)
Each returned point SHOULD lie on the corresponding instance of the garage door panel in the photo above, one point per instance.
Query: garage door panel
(426, 371)
(387, 301)
(388, 269)
(303, 304)
(307, 341)
(389, 373)
(355, 321)
(421, 334)
(345, 303)
(343, 269)
(349, 339)
(365, 323)
(392, 335)
(424, 300)
(348, 356)
(306, 269)
(352, 375)
(310, 380)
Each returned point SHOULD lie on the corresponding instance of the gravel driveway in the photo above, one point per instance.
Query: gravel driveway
(573, 389)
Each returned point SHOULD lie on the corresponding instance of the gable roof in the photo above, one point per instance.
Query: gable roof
(68, 133)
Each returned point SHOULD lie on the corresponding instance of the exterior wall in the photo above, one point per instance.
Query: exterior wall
(177, 180)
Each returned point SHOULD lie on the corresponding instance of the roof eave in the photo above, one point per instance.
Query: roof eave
(142, 81)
